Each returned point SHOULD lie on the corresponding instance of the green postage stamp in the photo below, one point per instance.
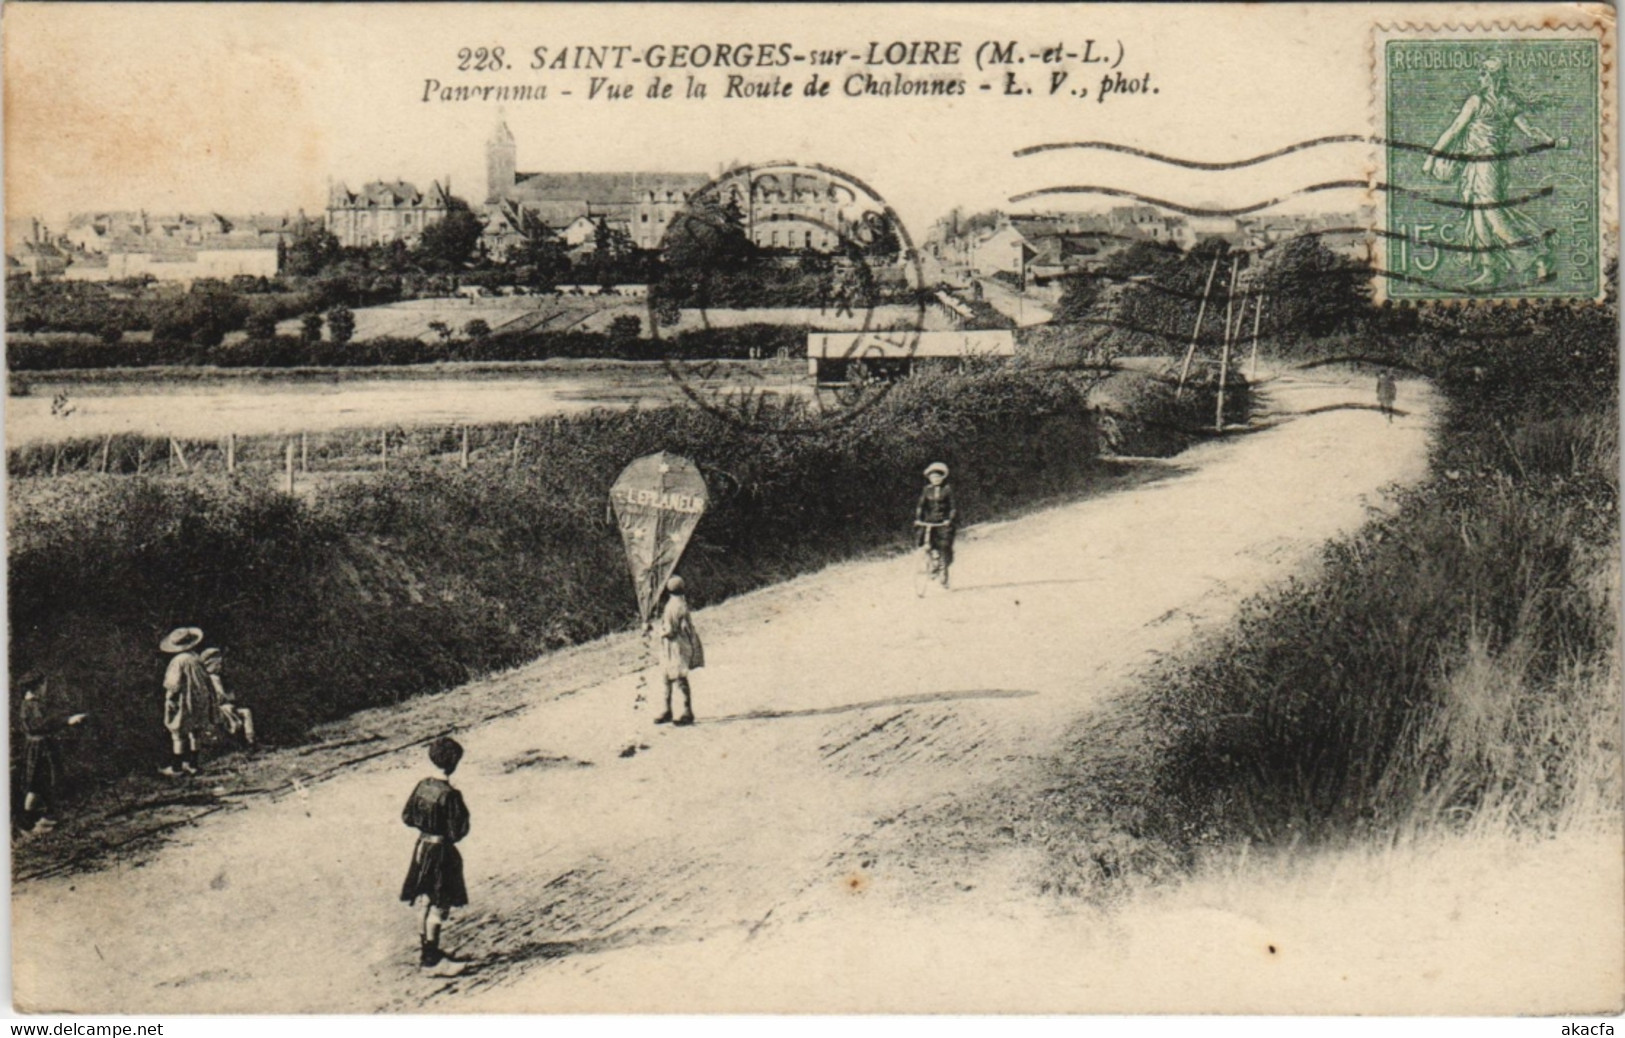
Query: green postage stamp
(1495, 173)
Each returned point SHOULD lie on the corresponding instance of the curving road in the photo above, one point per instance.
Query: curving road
(757, 860)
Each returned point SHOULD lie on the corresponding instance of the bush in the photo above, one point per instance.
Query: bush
(310, 328)
(625, 330)
(340, 324)
(260, 327)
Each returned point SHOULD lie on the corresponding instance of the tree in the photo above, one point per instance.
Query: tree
(203, 316)
(340, 324)
(540, 254)
(1313, 291)
(709, 236)
(448, 243)
(311, 251)
(610, 249)
(879, 238)
(477, 329)
(310, 328)
(111, 334)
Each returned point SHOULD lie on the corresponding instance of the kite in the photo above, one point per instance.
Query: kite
(657, 500)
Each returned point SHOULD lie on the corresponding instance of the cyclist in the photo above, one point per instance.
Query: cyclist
(935, 516)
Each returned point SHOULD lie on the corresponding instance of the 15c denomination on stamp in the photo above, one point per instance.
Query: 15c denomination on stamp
(1493, 159)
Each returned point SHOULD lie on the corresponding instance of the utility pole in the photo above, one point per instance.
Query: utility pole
(1258, 312)
(1185, 368)
(1224, 357)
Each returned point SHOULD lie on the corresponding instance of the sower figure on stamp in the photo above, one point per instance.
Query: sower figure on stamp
(1475, 147)
(189, 703)
(236, 720)
(436, 810)
(42, 756)
(680, 650)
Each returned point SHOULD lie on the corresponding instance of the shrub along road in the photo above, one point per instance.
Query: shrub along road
(832, 706)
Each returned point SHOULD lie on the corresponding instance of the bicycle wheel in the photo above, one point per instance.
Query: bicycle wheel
(923, 573)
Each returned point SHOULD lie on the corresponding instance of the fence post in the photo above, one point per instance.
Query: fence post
(464, 457)
(383, 450)
(290, 466)
(516, 438)
(304, 452)
(177, 454)
(107, 445)
(231, 452)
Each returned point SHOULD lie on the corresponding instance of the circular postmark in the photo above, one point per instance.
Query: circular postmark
(822, 290)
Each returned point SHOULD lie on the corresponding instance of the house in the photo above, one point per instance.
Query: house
(39, 258)
(384, 212)
(1004, 250)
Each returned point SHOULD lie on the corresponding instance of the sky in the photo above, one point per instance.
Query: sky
(242, 107)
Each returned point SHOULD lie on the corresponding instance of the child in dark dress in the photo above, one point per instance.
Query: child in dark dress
(42, 757)
(436, 810)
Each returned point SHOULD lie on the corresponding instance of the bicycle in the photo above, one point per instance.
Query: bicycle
(933, 564)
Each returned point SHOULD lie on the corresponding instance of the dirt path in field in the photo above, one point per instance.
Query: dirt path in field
(731, 865)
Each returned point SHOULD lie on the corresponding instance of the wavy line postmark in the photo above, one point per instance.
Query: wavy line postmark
(765, 233)
(1506, 190)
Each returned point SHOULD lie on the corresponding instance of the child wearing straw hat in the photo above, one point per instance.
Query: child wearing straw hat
(189, 705)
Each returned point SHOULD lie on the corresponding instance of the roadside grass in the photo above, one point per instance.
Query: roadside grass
(418, 579)
(1452, 667)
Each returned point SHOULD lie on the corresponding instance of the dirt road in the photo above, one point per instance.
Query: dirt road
(724, 867)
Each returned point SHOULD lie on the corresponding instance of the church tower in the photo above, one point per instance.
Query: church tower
(500, 156)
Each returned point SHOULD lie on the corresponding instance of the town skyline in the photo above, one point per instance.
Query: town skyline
(303, 106)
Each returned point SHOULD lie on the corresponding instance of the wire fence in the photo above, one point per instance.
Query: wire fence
(291, 457)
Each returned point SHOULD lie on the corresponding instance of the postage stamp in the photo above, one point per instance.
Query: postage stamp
(1493, 155)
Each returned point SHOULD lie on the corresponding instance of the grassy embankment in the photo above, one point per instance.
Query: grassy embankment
(1453, 667)
(416, 579)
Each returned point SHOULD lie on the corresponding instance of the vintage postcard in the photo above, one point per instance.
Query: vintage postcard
(813, 508)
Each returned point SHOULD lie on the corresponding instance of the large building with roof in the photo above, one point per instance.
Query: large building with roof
(385, 211)
(639, 205)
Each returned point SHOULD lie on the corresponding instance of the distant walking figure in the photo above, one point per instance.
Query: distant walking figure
(681, 650)
(436, 810)
(189, 703)
(1387, 392)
